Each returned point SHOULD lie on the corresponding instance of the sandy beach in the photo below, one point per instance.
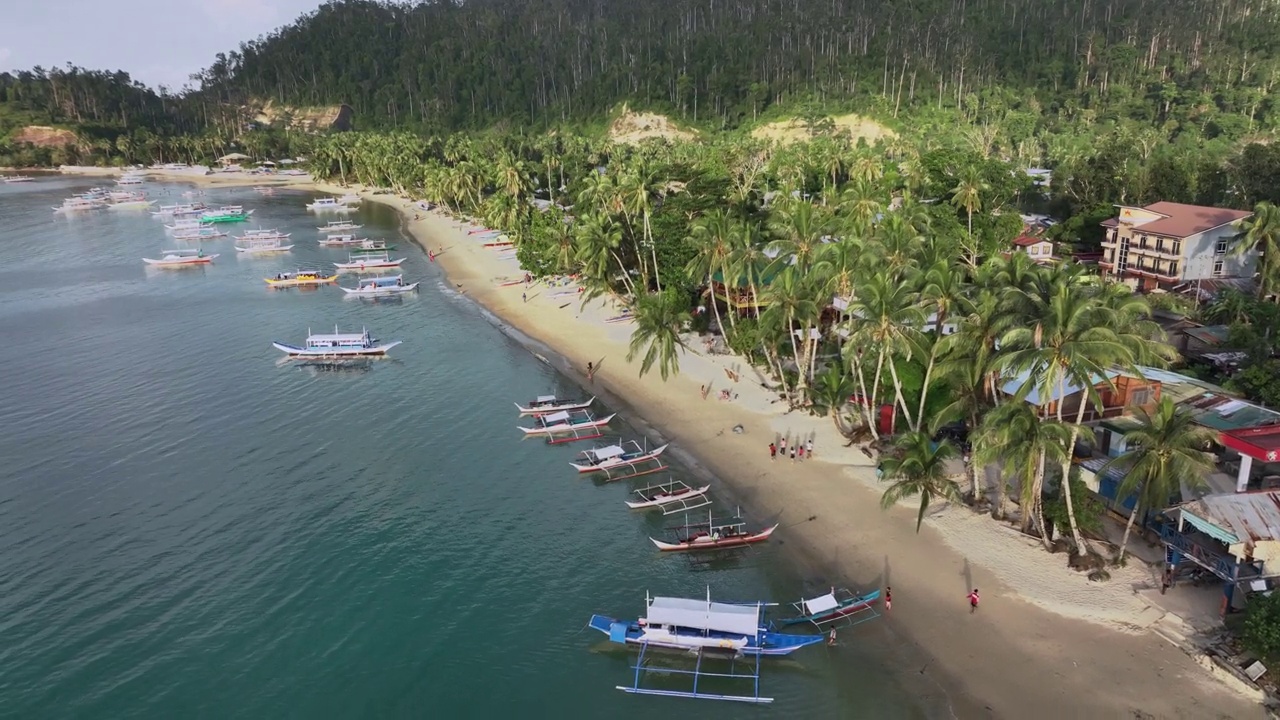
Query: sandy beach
(1045, 640)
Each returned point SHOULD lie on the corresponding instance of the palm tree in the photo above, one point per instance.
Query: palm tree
(790, 299)
(831, 392)
(659, 320)
(1166, 452)
(713, 235)
(598, 241)
(1022, 444)
(888, 321)
(1261, 233)
(918, 467)
(967, 194)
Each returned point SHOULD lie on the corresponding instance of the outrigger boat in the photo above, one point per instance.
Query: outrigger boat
(711, 631)
(182, 257)
(300, 278)
(620, 460)
(379, 286)
(17, 178)
(839, 604)
(337, 345)
(547, 404)
(259, 244)
(342, 240)
(79, 204)
(179, 210)
(336, 226)
(329, 203)
(198, 233)
(369, 261)
(578, 424)
(187, 224)
(670, 497)
(226, 214)
(712, 535)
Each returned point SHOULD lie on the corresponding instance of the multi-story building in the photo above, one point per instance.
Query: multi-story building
(1167, 244)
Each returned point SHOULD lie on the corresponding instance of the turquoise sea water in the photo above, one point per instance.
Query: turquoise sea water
(192, 530)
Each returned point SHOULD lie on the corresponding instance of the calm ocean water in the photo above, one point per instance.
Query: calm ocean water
(191, 530)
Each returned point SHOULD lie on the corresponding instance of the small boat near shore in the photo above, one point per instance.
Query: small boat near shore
(341, 240)
(17, 178)
(330, 204)
(184, 210)
(337, 345)
(670, 497)
(79, 204)
(338, 226)
(713, 535)
(568, 423)
(621, 460)
(300, 278)
(547, 404)
(369, 261)
(198, 233)
(380, 286)
(131, 204)
(182, 257)
(259, 244)
(839, 604)
(226, 214)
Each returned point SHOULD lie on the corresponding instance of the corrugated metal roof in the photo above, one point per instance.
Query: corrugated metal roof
(1250, 517)
(1070, 388)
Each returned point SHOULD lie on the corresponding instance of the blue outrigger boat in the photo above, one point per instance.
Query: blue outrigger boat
(709, 630)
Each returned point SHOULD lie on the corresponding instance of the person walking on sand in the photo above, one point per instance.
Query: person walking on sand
(888, 598)
(800, 452)
(591, 372)
(783, 447)
(808, 448)
(793, 453)
(973, 601)
(524, 297)
(773, 451)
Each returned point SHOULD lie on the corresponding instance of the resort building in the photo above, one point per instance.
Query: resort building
(1119, 394)
(1167, 244)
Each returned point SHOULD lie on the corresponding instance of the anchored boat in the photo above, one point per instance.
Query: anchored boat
(368, 261)
(712, 535)
(670, 497)
(337, 226)
(299, 278)
(547, 404)
(620, 460)
(259, 244)
(578, 425)
(336, 345)
(226, 214)
(379, 286)
(193, 256)
(840, 604)
(329, 203)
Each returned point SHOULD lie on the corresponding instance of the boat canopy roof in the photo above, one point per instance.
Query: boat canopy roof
(821, 604)
(546, 398)
(380, 281)
(556, 417)
(705, 615)
(612, 451)
(339, 337)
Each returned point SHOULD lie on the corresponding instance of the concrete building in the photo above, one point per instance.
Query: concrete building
(1039, 249)
(1167, 244)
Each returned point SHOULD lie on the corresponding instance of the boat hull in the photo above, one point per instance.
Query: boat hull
(380, 292)
(561, 429)
(299, 283)
(551, 409)
(620, 461)
(205, 260)
(667, 500)
(849, 607)
(701, 544)
(301, 352)
(766, 643)
(369, 265)
(258, 251)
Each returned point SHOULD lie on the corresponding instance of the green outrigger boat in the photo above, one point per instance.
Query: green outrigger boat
(227, 214)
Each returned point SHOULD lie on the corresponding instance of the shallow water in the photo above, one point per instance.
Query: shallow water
(193, 529)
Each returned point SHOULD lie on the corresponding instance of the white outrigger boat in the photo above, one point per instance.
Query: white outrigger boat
(337, 226)
(380, 286)
(338, 344)
(187, 223)
(621, 460)
(671, 497)
(328, 203)
(18, 178)
(369, 261)
(350, 199)
(256, 244)
(198, 233)
(341, 240)
(79, 204)
(187, 209)
(172, 258)
(260, 233)
(134, 203)
(547, 404)
(578, 425)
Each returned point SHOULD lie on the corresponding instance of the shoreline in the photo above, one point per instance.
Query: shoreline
(1012, 658)
(1044, 637)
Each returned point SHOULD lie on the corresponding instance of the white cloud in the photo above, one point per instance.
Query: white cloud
(240, 13)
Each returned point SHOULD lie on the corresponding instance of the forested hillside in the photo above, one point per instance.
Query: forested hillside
(721, 62)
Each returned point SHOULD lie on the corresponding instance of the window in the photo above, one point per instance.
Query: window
(1141, 396)
(1176, 248)
(1217, 268)
(1221, 247)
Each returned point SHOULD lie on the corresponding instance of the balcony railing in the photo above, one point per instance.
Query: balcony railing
(1215, 561)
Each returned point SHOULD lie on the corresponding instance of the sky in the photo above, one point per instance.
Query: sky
(159, 42)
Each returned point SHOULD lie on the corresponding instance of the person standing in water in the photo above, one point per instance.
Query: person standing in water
(591, 372)
(888, 598)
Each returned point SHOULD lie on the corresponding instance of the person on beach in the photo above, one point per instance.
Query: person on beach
(800, 452)
(783, 447)
(524, 297)
(591, 372)
(773, 451)
(888, 598)
(431, 255)
(973, 601)
(793, 453)
(808, 448)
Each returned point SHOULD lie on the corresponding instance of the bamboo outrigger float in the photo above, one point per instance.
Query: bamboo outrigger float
(671, 497)
(839, 608)
(621, 460)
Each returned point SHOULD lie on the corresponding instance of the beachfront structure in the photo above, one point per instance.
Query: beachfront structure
(1167, 244)
(1037, 248)
(1119, 393)
(1234, 536)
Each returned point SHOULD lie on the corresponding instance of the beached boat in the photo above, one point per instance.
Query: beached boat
(226, 214)
(338, 226)
(379, 286)
(563, 422)
(621, 460)
(193, 256)
(547, 404)
(79, 204)
(671, 497)
(18, 178)
(693, 624)
(839, 604)
(300, 278)
(712, 535)
(350, 199)
(131, 179)
(331, 204)
(369, 261)
(337, 344)
(262, 244)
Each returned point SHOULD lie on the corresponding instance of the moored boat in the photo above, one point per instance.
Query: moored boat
(79, 204)
(572, 423)
(369, 261)
(337, 344)
(226, 214)
(341, 240)
(673, 496)
(193, 256)
(262, 244)
(300, 278)
(332, 204)
(839, 604)
(378, 286)
(547, 404)
(337, 226)
(620, 458)
(198, 233)
(17, 178)
(712, 535)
